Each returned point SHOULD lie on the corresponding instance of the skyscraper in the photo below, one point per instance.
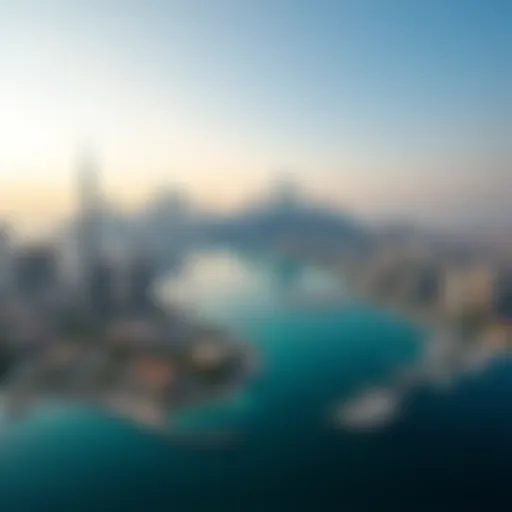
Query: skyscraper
(89, 218)
(101, 289)
(5, 260)
(140, 281)
(35, 273)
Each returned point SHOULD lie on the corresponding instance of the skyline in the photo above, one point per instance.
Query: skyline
(382, 107)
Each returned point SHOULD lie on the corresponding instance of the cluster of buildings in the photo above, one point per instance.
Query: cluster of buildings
(76, 282)
(83, 323)
(470, 291)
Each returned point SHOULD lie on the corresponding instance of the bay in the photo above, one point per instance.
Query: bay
(274, 444)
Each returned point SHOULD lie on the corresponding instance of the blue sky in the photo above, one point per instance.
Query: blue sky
(383, 106)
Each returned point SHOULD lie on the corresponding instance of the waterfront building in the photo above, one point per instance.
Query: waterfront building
(469, 289)
(153, 374)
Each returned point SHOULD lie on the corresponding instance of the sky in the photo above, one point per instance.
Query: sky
(389, 108)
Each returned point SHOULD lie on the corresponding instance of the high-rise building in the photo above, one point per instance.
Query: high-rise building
(101, 289)
(5, 260)
(133, 281)
(35, 273)
(89, 218)
(140, 280)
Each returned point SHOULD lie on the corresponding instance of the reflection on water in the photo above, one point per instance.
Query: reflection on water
(273, 444)
(220, 283)
(274, 303)
(217, 283)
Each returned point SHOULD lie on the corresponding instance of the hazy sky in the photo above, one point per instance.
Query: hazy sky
(386, 106)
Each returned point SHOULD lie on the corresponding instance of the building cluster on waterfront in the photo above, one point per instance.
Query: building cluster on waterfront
(86, 324)
(81, 318)
(468, 289)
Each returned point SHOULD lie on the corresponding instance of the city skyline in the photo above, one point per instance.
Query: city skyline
(384, 108)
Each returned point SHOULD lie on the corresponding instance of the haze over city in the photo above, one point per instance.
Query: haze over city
(383, 108)
(255, 255)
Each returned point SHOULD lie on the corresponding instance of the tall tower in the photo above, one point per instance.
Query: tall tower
(5, 260)
(89, 218)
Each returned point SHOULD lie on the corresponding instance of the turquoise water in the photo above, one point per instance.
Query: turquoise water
(273, 445)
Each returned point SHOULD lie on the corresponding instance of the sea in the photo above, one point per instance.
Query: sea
(278, 443)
